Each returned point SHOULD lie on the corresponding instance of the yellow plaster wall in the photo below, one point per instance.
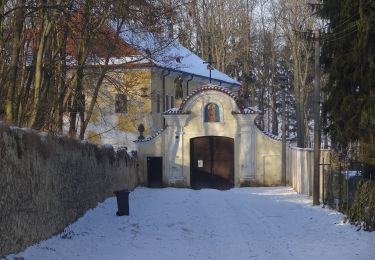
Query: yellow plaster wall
(140, 109)
(132, 83)
(94, 137)
(268, 151)
(195, 127)
(95, 117)
(156, 147)
(268, 160)
(157, 88)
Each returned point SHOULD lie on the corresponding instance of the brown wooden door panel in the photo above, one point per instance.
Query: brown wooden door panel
(216, 169)
(224, 158)
(201, 148)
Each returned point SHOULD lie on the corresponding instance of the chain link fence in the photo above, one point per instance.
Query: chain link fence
(340, 187)
(350, 189)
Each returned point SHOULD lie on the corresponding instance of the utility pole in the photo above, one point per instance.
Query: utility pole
(209, 66)
(316, 176)
(283, 136)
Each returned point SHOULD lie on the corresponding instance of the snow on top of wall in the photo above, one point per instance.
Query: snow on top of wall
(118, 61)
(251, 110)
(147, 139)
(107, 146)
(24, 129)
(275, 137)
(295, 147)
(175, 111)
(172, 111)
(215, 88)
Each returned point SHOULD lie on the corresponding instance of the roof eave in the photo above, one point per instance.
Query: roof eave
(197, 75)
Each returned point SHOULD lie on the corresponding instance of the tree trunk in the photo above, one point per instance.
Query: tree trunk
(300, 108)
(275, 122)
(13, 68)
(47, 26)
(85, 122)
(273, 92)
(94, 97)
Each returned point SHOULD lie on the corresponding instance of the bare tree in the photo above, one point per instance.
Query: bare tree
(12, 73)
(45, 48)
(297, 21)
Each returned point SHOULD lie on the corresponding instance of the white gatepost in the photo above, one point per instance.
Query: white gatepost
(247, 147)
(174, 148)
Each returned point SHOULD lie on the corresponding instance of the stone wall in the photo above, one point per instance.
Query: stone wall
(300, 168)
(47, 182)
(300, 163)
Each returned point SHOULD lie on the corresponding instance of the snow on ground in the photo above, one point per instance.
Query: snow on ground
(241, 223)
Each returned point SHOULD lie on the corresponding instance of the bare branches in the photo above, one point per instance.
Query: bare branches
(48, 48)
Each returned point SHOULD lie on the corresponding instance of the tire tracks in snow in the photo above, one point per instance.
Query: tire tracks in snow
(255, 222)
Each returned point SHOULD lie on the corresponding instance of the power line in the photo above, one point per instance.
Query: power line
(344, 22)
(333, 35)
(342, 37)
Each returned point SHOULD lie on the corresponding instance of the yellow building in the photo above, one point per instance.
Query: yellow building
(139, 87)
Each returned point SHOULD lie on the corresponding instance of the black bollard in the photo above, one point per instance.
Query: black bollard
(122, 202)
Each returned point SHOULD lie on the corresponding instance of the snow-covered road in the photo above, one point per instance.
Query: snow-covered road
(244, 223)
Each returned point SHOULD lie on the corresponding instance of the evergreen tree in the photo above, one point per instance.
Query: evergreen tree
(349, 58)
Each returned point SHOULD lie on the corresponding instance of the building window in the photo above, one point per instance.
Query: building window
(144, 92)
(166, 102)
(172, 101)
(211, 113)
(158, 103)
(121, 103)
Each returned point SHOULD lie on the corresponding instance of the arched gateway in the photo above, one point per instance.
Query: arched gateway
(211, 141)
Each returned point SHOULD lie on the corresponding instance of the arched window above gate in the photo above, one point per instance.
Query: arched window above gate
(211, 113)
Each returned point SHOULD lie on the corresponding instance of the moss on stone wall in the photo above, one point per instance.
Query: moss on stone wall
(47, 182)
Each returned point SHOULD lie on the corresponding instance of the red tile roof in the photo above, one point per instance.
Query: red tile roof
(106, 41)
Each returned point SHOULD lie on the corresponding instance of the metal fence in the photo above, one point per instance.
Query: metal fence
(340, 185)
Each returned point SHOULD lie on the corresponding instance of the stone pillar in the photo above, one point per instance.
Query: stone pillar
(174, 149)
(247, 148)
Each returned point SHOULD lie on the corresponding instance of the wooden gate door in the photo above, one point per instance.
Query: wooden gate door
(212, 162)
(155, 172)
